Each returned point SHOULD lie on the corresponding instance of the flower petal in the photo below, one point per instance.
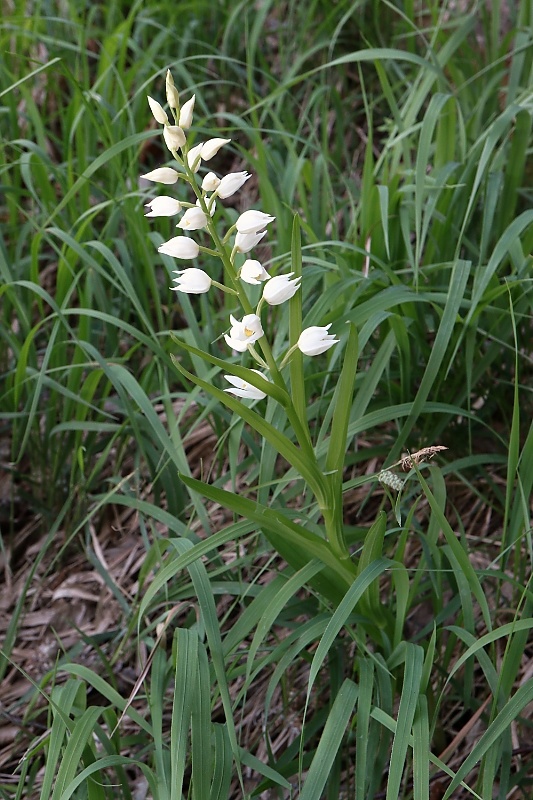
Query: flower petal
(281, 288)
(194, 219)
(186, 111)
(163, 206)
(253, 272)
(158, 111)
(244, 242)
(243, 388)
(210, 182)
(194, 157)
(192, 281)
(253, 221)
(162, 175)
(231, 183)
(179, 247)
(211, 147)
(174, 137)
(316, 340)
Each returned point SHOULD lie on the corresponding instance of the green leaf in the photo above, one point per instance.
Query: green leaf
(412, 676)
(330, 741)
(421, 742)
(308, 470)
(79, 739)
(370, 602)
(185, 653)
(292, 541)
(342, 405)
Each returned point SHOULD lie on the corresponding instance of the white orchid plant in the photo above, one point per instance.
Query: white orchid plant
(279, 378)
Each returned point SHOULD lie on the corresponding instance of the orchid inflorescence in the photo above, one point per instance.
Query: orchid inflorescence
(248, 230)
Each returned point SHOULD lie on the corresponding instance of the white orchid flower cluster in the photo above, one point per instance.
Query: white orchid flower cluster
(249, 230)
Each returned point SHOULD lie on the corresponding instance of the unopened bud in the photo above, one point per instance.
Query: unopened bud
(173, 98)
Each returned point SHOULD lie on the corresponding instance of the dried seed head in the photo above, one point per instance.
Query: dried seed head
(411, 459)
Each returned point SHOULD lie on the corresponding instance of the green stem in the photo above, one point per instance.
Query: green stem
(300, 430)
(333, 523)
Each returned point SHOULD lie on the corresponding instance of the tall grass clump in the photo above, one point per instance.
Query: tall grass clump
(276, 525)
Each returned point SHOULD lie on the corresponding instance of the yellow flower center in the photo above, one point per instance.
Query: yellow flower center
(248, 332)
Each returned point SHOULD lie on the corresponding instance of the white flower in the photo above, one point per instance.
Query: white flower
(212, 146)
(244, 242)
(316, 340)
(210, 182)
(179, 247)
(211, 205)
(163, 207)
(280, 288)
(243, 388)
(243, 333)
(192, 220)
(194, 156)
(173, 136)
(158, 111)
(253, 272)
(253, 221)
(173, 98)
(185, 119)
(231, 183)
(162, 175)
(192, 281)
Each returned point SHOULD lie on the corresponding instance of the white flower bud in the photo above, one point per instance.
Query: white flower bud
(243, 388)
(163, 207)
(253, 272)
(210, 182)
(173, 98)
(231, 183)
(185, 120)
(279, 289)
(162, 175)
(158, 111)
(179, 247)
(194, 157)
(210, 203)
(253, 221)
(173, 136)
(212, 146)
(192, 220)
(244, 242)
(316, 340)
(192, 281)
